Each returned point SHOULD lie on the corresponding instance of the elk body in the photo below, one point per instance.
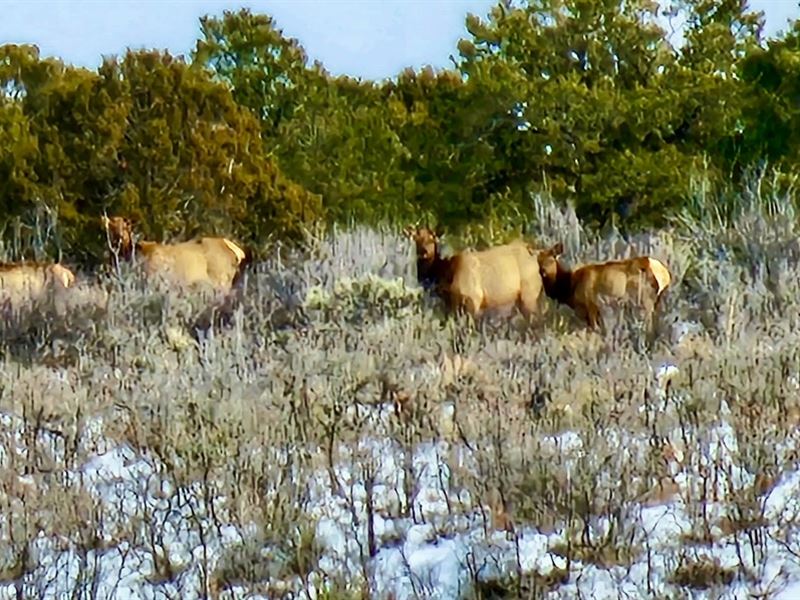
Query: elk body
(476, 281)
(28, 282)
(31, 280)
(215, 261)
(641, 281)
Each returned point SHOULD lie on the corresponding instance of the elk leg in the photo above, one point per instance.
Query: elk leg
(593, 315)
(582, 314)
(472, 305)
(465, 309)
(649, 305)
(528, 301)
(658, 299)
(462, 306)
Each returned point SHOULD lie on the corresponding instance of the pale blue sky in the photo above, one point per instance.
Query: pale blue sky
(365, 38)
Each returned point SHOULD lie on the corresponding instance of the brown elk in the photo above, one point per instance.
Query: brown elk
(477, 281)
(28, 282)
(641, 280)
(214, 261)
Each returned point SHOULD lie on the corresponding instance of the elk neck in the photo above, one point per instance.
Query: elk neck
(561, 289)
(432, 271)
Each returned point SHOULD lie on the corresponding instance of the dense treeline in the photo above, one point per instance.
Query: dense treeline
(593, 102)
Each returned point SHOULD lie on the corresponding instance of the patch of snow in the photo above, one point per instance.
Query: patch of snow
(681, 330)
(665, 372)
(436, 542)
(783, 501)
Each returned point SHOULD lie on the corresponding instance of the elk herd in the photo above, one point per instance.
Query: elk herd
(516, 273)
(471, 281)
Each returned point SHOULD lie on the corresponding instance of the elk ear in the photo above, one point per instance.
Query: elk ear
(542, 255)
(438, 232)
(409, 231)
(558, 249)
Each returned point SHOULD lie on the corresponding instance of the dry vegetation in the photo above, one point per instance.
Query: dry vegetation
(342, 422)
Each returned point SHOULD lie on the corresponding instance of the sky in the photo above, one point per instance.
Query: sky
(373, 39)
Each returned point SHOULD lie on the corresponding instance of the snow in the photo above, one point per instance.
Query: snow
(789, 592)
(439, 546)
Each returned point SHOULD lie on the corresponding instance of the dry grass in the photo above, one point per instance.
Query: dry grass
(236, 434)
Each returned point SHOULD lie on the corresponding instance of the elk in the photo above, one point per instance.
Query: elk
(481, 280)
(641, 280)
(26, 283)
(215, 261)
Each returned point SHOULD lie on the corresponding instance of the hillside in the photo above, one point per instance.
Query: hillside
(343, 438)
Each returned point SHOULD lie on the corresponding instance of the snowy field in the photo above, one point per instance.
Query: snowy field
(451, 542)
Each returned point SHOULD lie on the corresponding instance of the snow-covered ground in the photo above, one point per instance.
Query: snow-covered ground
(438, 548)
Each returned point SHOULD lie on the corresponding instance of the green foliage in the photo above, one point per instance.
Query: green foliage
(771, 121)
(593, 103)
(329, 134)
(17, 158)
(444, 158)
(341, 146)
(266, 70)
(352, 299)
(147, 136)
(194, 162)
(65, 142)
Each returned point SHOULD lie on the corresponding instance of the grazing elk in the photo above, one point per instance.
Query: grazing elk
(641, 280)
(214, 261)
(25, 283)
(477, 281)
